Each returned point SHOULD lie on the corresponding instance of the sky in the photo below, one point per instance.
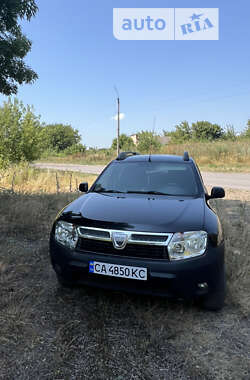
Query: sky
(160, 83)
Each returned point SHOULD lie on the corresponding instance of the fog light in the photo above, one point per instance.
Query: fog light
(202, 285)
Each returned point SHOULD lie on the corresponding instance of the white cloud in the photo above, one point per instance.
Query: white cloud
(122, 116)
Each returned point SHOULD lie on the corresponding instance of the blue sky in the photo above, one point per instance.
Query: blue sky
(79, 61)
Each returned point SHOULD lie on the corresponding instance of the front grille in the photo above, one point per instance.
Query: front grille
(94, 233)
(131, 250)
(149, 238)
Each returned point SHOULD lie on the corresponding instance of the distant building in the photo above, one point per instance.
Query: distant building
(134, 138)
(163, 140)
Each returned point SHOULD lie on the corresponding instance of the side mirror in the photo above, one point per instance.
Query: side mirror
(217, 192)
(83, 187)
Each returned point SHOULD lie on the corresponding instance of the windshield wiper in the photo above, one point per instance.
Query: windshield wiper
(101, 190)
(148, 192)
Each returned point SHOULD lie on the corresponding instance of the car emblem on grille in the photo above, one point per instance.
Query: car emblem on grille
(119, 239)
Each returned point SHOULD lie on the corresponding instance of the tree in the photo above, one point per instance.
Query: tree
(20, 133)
(246, 132)
(147, 142)
(201, 130)
(31, 144)
(59, 137)
(125, 143)
(230, 133)
(183, 132)
(14, 45)
(204, 130)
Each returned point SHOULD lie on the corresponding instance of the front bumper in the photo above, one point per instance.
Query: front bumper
(178, 279)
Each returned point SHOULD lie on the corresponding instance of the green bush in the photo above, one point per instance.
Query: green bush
(125, 143)
(147, 142)
(246, 133)
(20, 133)
(59, 137)
(74, 149)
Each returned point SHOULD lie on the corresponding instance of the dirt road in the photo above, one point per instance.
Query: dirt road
(228, 180)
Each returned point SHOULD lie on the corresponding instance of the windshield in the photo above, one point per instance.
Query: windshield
(149, 178)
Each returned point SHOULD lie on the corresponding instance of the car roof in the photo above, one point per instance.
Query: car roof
(156, 158)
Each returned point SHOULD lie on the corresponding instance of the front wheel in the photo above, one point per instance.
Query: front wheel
(215, 301)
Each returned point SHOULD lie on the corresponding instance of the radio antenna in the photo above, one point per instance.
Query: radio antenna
(118, 120)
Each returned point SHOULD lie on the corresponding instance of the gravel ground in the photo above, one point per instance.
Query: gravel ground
(48, 332)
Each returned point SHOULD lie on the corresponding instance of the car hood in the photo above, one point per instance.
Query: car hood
(139, 212)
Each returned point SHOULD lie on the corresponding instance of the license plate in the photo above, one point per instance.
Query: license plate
(114, 270)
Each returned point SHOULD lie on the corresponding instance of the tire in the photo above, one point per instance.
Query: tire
(215, 301)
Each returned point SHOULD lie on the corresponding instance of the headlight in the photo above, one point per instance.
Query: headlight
(66, 234)
(187, 244)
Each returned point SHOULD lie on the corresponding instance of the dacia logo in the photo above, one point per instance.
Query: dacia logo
(119, 239)
(199, 22)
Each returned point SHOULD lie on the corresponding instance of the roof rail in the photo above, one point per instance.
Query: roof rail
(186, 156)
(124, 155)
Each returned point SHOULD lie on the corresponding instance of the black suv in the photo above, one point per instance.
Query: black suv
(144, 226)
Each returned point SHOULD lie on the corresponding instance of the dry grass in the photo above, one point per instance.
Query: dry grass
(51, 333)
(222, 155)
(26, 179)
(89, 157)
(216, 156)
